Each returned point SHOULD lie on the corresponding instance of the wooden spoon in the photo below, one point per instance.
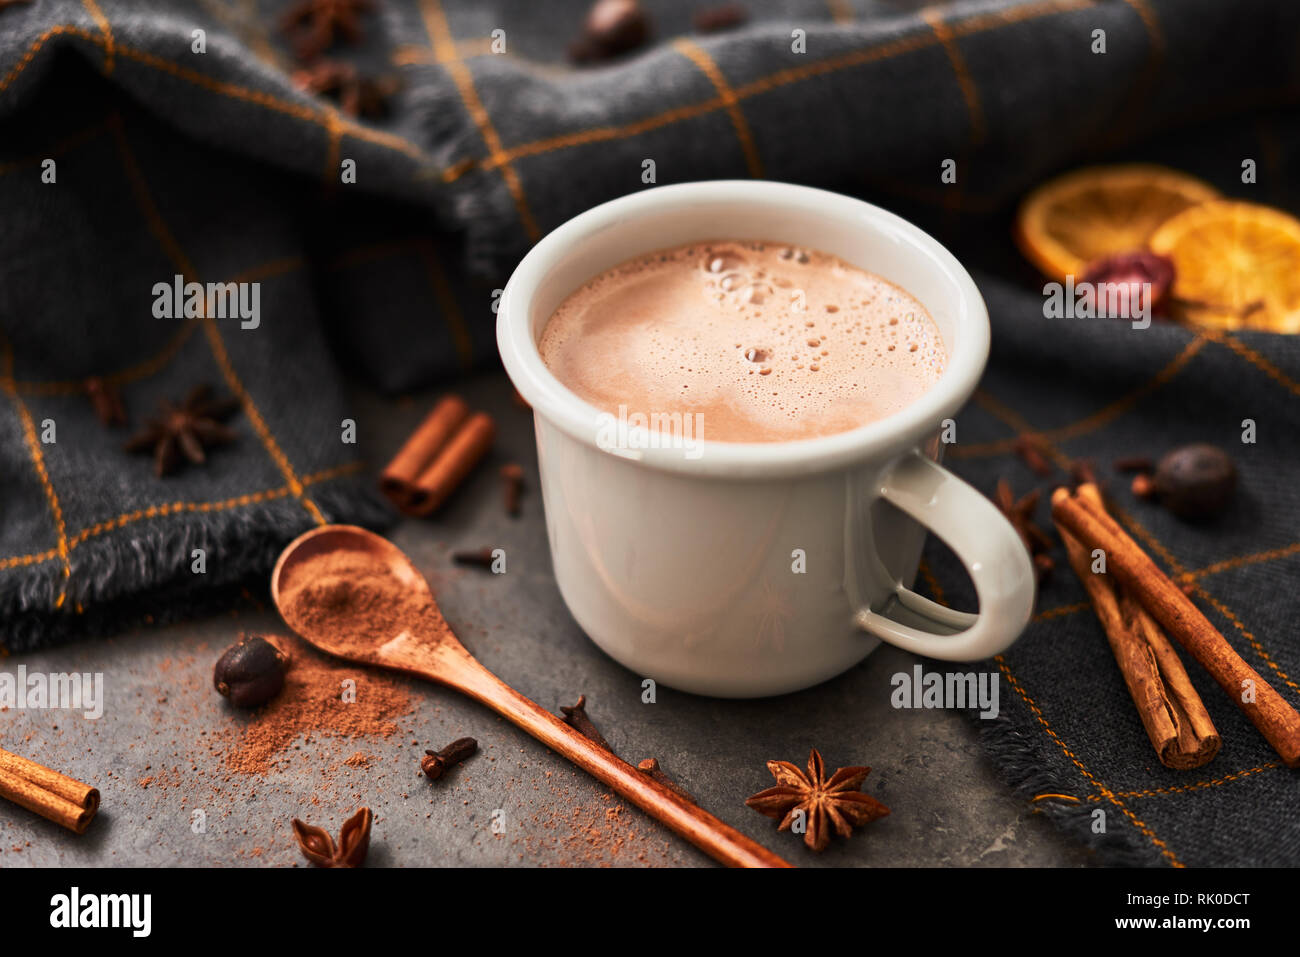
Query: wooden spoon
(442, 658)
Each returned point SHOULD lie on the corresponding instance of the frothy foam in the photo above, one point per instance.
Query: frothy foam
(768, 342)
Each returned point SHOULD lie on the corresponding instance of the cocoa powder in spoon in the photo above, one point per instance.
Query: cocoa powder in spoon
(358, 602)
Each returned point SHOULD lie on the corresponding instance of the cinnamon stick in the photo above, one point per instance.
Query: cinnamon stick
(449, 468)
(1276, 720)
(1173, 714)
(52, 795)
(397, 481)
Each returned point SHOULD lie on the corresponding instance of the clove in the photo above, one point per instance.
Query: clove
(436, 763)
(650, 768)
(513, 477)
(481, 557)
(575, 716)
(1134, 463)
(106, 399)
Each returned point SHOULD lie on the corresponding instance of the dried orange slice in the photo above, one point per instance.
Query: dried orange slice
(1236, 265)
(1099, 211)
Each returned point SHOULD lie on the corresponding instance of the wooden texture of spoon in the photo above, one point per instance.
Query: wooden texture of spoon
(442, 658)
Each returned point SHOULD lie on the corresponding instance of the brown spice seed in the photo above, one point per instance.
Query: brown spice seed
(311, 703)
(613, 27)
(1195, 481)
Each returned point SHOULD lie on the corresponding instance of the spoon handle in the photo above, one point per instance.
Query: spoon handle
(720, 841)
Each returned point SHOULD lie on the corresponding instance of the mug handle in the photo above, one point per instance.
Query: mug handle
(994, 556)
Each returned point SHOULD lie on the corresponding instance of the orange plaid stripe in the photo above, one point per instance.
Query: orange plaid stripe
(1088, 776)
(697, 55)
(140, 189)
(444, 49)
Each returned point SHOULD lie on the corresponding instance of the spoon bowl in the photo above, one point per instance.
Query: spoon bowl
(425, 646)
(291, 572)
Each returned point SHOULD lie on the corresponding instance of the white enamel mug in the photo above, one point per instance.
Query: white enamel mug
(748, 569)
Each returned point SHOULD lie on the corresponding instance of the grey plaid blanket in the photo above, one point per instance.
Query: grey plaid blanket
(142, 140)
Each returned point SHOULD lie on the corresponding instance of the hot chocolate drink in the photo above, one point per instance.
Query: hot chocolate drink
(763, 341)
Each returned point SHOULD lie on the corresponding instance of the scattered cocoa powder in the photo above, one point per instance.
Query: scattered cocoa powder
(312, 703)
(591, 834)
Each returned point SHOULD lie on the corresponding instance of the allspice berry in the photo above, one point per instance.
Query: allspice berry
(250, 672)
(613, 27)
(1195, 481)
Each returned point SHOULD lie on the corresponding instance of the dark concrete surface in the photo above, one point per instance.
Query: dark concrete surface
(150, 754)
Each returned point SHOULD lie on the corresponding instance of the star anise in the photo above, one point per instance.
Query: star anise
(185, 430)
(106, 399)
(357, 95)
(1032, 452)
(313, 25)
(826, 803)
(1020, 513)
(354, 841)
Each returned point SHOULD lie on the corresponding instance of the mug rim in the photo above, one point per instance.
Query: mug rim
(912, 424)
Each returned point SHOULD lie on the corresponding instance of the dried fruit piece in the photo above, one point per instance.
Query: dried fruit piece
(250, 672)
(1115, 284)
(1237, 265)
(1100, 211)
(1195, 481)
